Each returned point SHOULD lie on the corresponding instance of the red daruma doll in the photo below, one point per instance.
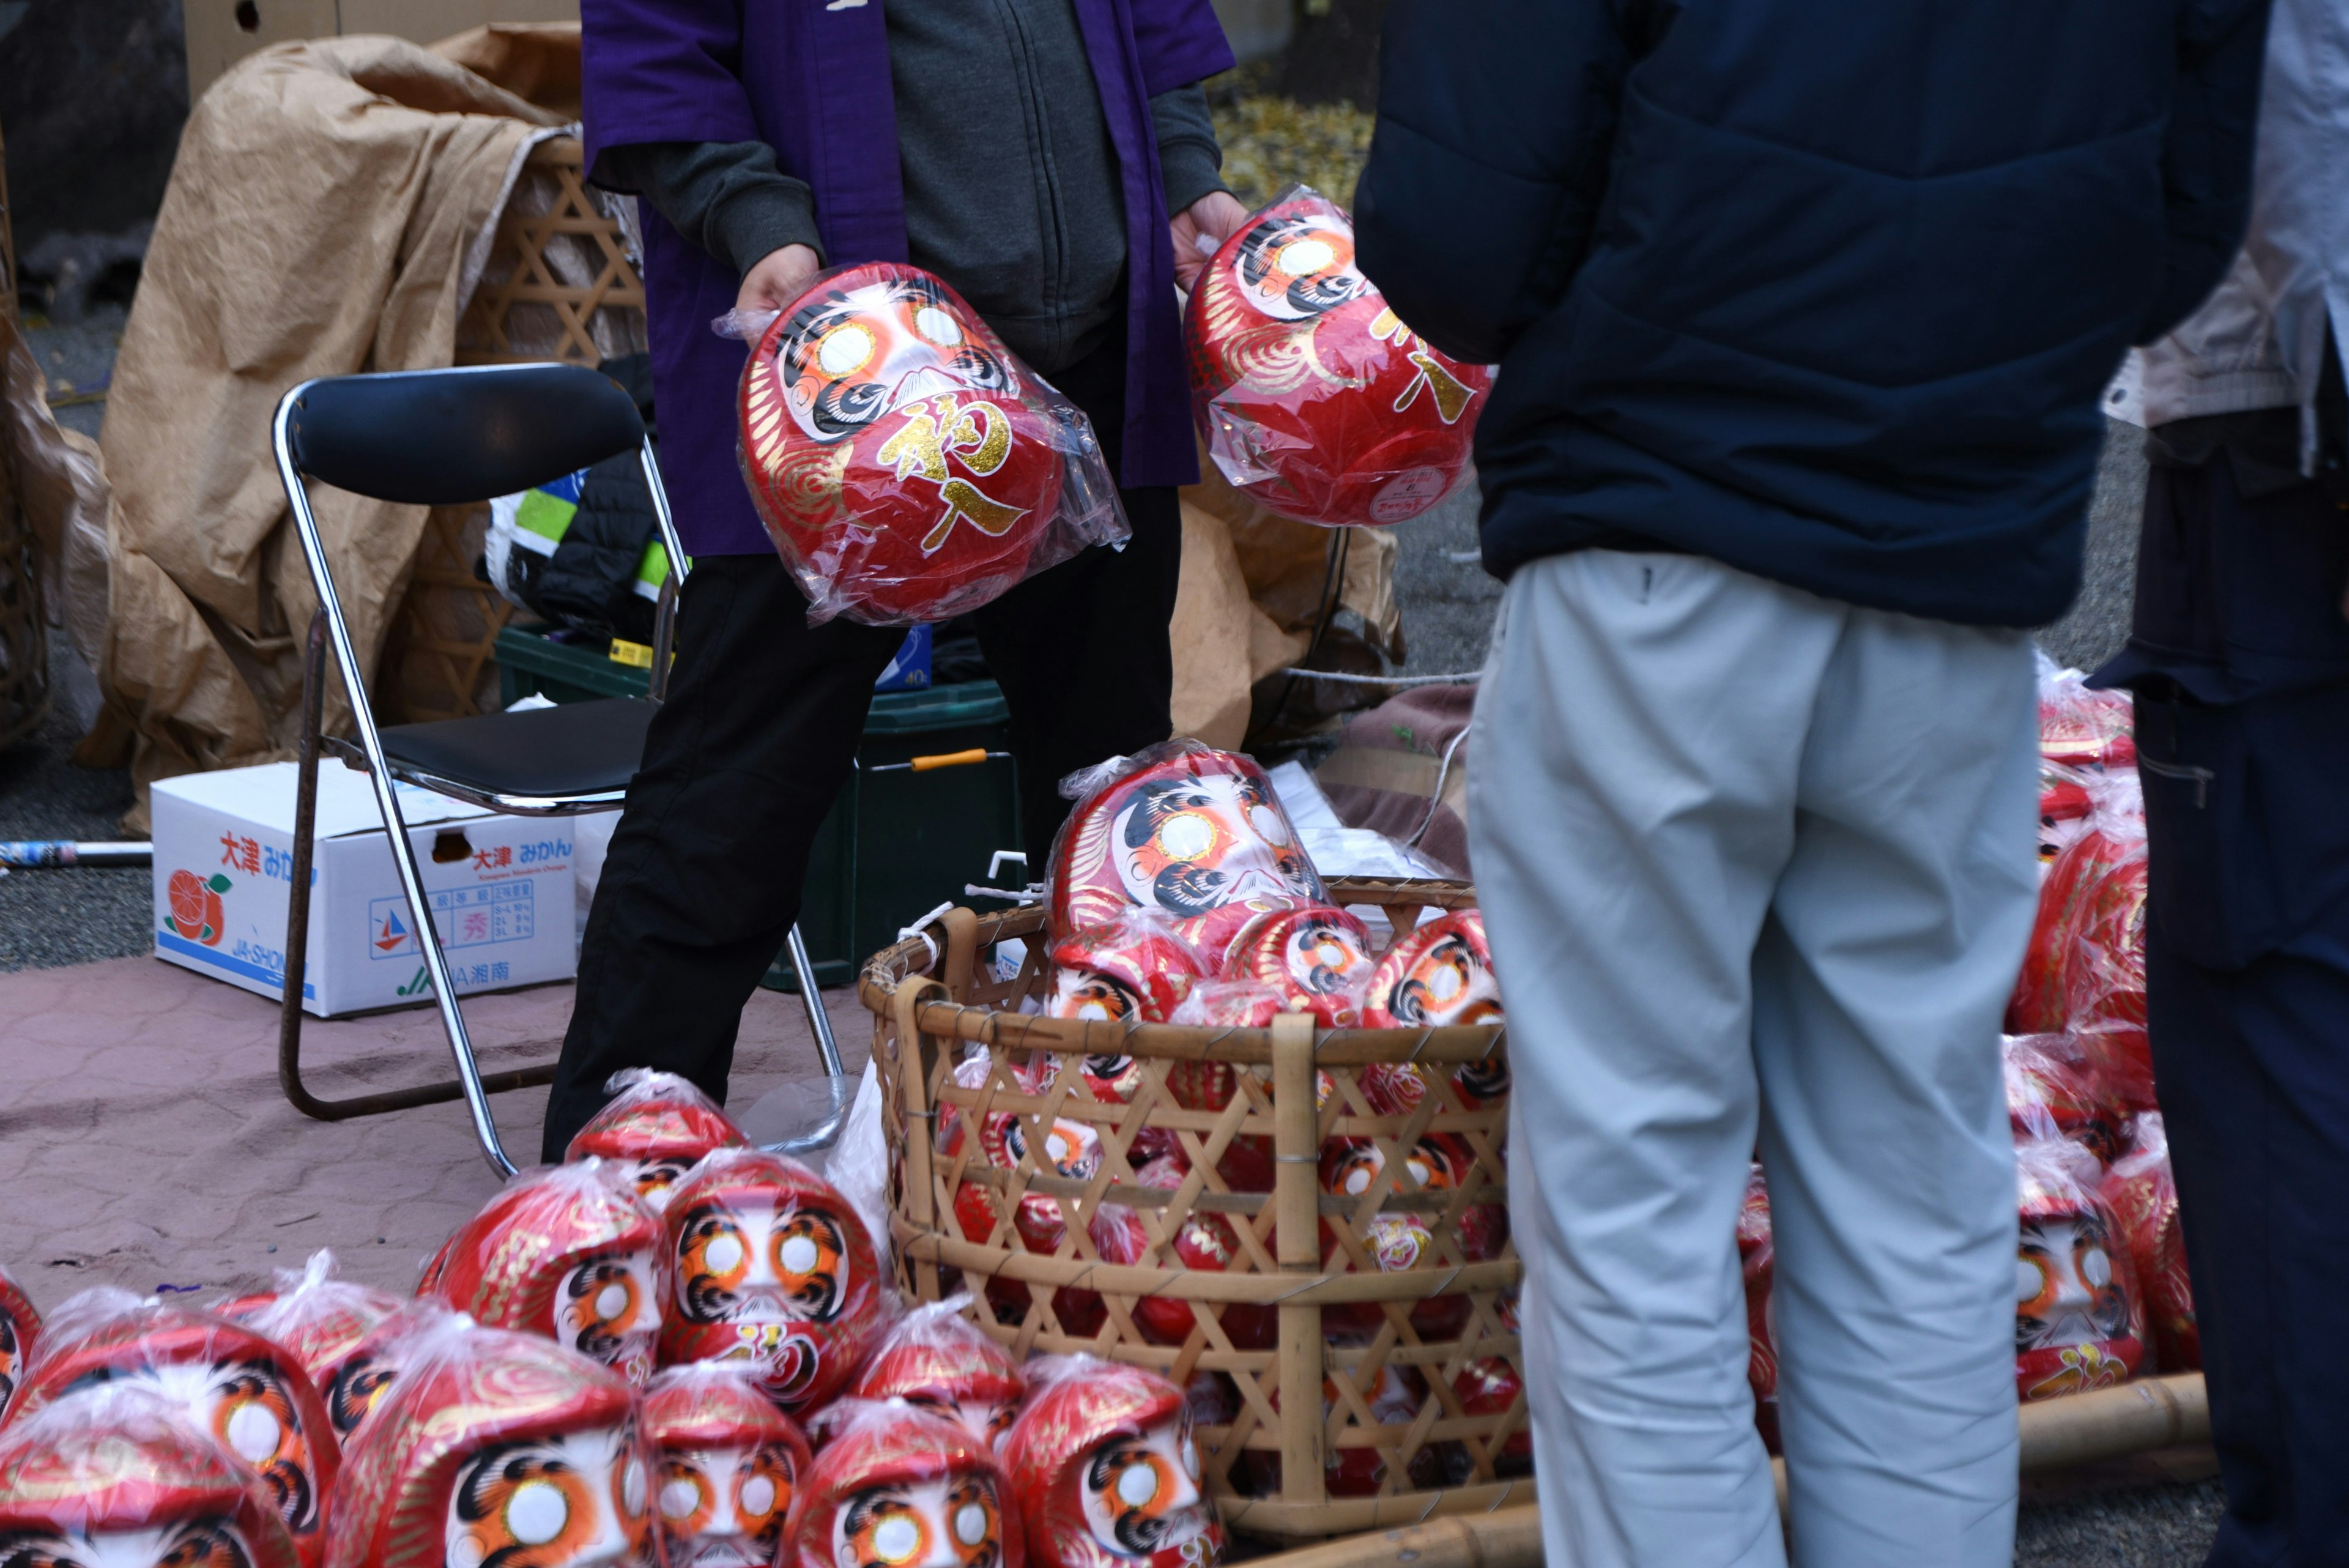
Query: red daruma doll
(1311, 395)
(936, 1359)
(1105, 1470)
(896, 1487)
(730, 1464)
(116, 1477)
(908, 465)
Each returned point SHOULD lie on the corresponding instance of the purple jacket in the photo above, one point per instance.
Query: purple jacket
(812, 80)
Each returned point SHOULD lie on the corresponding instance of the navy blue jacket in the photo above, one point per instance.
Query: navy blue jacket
(1823, 289)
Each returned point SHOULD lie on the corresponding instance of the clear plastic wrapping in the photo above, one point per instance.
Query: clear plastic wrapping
(2069, 901)
(1196, 834)
(2083, 728)
(1134, 967)
(653, 1129)
(908, 467)
(319, 1318)
(2143, 1195)
(1310, 394)
(245, 1391)
(1438, 975)
(936, 1358)
(773, 1267)
(1317, 959)
(1211, 1243)
(1105, 1472)
(1357, 1170)
(729, 1466)
(896, 1484)
(1757, 1261)
(2079, 1320)
(118, 1476)
(497, 1447)
(2055, 1089)
(569, 1252)
(356, 1390)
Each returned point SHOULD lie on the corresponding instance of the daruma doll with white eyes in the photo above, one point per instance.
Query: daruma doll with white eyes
(359, 1383)
(729, 1466)
(905, 463)
(502, 1450)
(1407, 1239)
(19, 1326)
(249, 1393)
(320, 1318)
(569, 1252)
(113, 1477)
(1317, 959)
(655, 1128)
(2078, 1322)
(936, 1359)
(1194, 834)
(897, 1487)
(1313, 396)
(772, 1267)
(1132, 969)
(1105, 1472)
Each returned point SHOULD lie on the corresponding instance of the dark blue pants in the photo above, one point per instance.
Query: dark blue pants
(2247, 946)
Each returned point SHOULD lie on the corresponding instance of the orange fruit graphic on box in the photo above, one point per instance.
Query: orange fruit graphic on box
(196, 907)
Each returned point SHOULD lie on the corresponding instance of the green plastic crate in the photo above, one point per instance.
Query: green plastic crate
(895, 844)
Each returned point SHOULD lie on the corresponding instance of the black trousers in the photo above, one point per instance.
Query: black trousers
(2247, 979)
(764, 714)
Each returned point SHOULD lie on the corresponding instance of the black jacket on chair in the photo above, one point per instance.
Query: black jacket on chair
(1823, 289)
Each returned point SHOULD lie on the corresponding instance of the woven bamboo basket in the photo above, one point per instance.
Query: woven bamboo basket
(1301, 1249)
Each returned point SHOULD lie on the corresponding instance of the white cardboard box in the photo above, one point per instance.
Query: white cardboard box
(501, 888)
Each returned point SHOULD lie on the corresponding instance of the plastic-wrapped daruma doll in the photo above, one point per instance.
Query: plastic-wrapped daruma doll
(907, 466)
(20, 1325)
(1409, 1239)
(321, 1319)
(569, 1252)
(1105, 1472)
(935, 1359)
(247, 1392)
(2079, 1322)
(1313, 396)
(1317, 959)
(730, 1464)
(1134, 967)
(896, 1487)
(772, 1267)
(655, 1128)
(1437, 976)
(2142, 1196)
(1193, 833)
(1757, 1261)
(358, 1385)
(2052, 1090)
(118, 1477)
(498, 1450)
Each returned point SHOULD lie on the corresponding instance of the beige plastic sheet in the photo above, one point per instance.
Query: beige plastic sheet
(325, 197)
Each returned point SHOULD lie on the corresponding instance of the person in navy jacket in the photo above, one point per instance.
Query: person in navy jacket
(1802, 309)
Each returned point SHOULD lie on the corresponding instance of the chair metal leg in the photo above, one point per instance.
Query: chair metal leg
(819, 1020)
(297, 942)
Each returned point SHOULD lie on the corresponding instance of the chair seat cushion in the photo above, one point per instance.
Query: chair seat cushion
(573, 749)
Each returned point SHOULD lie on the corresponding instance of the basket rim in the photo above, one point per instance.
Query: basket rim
(905, 965)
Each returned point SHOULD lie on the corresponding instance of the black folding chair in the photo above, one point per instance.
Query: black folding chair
(440, 438)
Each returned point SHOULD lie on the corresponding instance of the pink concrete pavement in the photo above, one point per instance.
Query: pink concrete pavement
(144, 1141)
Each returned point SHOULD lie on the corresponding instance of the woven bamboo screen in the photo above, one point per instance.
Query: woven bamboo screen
(559, 283)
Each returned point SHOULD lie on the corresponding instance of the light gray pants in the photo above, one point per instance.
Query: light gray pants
(1756, 861)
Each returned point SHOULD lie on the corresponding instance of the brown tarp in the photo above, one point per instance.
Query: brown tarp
(326, 202)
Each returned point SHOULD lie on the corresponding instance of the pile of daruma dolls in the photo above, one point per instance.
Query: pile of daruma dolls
(1179, 892)
(2101, 1289)
(674, 1349)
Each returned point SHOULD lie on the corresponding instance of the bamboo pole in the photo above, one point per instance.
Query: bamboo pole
(1296, 1152)
(2137, 1417)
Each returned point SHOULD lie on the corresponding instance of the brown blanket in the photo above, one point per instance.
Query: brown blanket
(327, 199)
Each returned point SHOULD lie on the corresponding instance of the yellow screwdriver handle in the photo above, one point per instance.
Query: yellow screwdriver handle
(950, 759)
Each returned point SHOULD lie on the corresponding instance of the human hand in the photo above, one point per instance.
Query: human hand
(775, 277)
(1213, 217)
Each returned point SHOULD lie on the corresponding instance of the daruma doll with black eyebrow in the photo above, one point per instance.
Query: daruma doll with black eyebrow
(1106, 1472)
